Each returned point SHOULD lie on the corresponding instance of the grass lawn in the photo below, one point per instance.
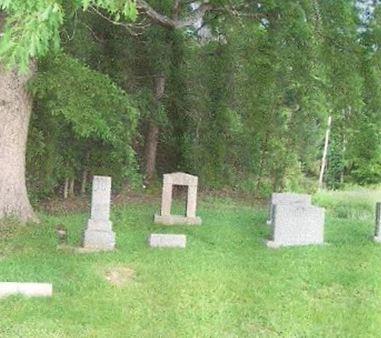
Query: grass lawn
(226, 283)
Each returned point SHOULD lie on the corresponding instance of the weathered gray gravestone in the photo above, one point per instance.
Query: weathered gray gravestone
(377, 235)
(99, 234)
(296, 225)
(287, 198)
(167, 241)
(165, 216)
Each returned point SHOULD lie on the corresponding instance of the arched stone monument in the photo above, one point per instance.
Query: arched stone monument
(165, 216)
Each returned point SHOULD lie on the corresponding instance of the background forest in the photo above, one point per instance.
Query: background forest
(241, 98)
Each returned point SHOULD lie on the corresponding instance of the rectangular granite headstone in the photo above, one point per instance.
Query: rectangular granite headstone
(99, 234)
(297, 225)
(377, 235)
(167, 241)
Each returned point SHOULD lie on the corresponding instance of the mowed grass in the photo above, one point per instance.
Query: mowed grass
(226, 283)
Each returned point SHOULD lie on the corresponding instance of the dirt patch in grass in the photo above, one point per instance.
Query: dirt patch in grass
(120, 276)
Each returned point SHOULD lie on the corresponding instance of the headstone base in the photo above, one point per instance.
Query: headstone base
(275, 245)
(99, 240)
(177, 220)
(377, 239)
(167, 241)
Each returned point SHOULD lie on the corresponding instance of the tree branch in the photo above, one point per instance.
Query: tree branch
(127, 26)
(168, 22)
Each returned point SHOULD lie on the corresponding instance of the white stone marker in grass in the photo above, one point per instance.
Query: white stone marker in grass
(377, 236)
(26, 289)
(167, 241)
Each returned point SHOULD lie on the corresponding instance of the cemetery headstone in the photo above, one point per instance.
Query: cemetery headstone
(377, 236)
(99, 234)
(287, 198)
(167, 241)
(296, 225)
(165, 216)
(26, 289)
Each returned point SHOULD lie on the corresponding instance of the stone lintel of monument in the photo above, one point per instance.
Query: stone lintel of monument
(177, 220)
(167, 241)
(180, 179)
(26, 289)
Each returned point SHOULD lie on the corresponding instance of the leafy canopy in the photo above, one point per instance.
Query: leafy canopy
(32, 27)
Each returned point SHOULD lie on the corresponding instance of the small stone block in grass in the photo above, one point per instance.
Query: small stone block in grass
(167, 241)
(26, 289)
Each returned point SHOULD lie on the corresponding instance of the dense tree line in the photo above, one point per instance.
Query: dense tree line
(237, 92)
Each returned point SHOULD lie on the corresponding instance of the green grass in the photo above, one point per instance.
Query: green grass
(226, 283)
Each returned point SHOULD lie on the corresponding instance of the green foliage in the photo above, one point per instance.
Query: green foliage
(245, 106)
(33, 26)
(82, 121)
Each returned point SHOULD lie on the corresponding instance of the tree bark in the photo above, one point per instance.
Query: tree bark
(15, 112)
(325, 152)
(165, 21)
(153, 131)
(66, 189)
(84, 182)
(71, 187)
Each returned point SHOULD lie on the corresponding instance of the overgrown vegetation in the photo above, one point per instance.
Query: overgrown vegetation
(242, 101)
(83, 124)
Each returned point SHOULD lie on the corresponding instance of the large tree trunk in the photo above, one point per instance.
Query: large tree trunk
(152, 138)
(15, 111)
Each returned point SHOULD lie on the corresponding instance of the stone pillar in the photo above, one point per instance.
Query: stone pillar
(166, 198)
(99, 234)
(192, 201)
(377, 236)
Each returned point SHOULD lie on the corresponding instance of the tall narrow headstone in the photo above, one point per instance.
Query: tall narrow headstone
(99, 234)
(165, 216)
(377, 235)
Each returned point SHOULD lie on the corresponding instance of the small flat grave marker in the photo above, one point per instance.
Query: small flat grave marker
(167, 241)
(26, 289)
